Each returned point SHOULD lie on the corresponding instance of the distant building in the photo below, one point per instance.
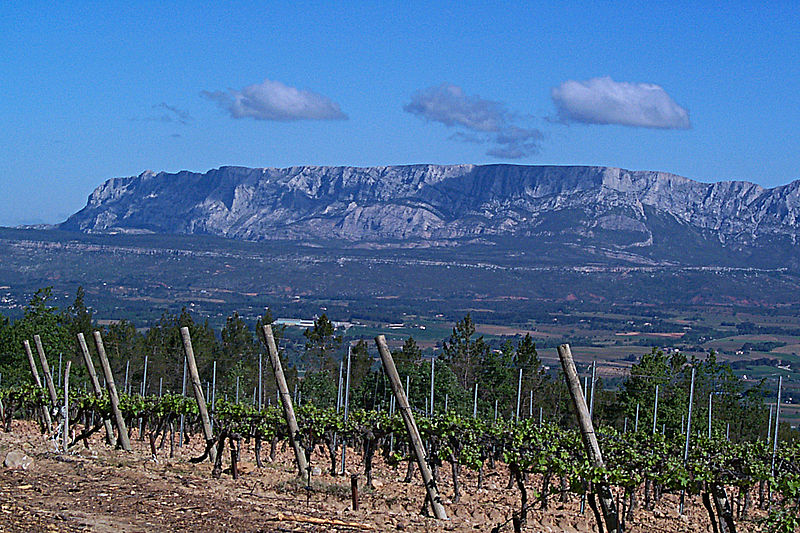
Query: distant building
(302, 323)
(294, 322)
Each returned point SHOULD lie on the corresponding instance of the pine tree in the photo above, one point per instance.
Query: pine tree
(321, 344)
(78, 317)
(360, 363)
(409, 354)
(463, 353)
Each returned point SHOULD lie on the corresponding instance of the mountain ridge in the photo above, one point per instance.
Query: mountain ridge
(616, 207)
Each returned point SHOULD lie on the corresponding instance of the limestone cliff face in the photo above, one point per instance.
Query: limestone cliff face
(426, 202)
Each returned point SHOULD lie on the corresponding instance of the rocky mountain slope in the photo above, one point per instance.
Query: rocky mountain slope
(611, 207)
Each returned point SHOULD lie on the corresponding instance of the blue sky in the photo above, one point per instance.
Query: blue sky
(91, 91)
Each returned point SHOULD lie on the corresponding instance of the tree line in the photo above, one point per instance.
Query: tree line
(469, 374)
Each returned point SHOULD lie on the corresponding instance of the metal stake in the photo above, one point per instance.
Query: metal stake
(777, 422)
(530, 405)
(346, 405)
(260, 381)
(144, 378)
(655, 412)
(709, 414)
(213, 393)
(591, 394)
(433, 364)
(475, 402)
(519, 393)
(183, 393)
(688, 435)
(769, 425)
(339, 390)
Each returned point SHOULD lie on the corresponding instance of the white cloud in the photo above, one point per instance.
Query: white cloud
(605, 101)
(486, 121)
(272, 100)
(449, 105)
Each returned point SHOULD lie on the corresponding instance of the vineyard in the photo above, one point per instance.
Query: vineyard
(645, 473)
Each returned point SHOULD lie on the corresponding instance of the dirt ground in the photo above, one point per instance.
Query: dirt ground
(105, 490)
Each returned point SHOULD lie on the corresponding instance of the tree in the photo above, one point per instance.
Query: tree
(78, 317)
(730, 402)
(654, 368)
(497, 378)
(239, 356)
(277, 331)
(534, 377)
(39, 318)
(124, 343)
(360, 363)
(13, 364)
(321, 343)
(409, 354)
(164, 346)
(672, 373)
(526, 358)
(367, 388)
(237, 339)
(318, 388)
(463, 353)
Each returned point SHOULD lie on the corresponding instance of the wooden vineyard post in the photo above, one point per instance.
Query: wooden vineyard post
(346, 405)
(286, 401)
(48, 377)
(411, 426)
(45, 411)
(122, 429)
(354, 490)
(588, 435)
(87, 359)
(197, 386)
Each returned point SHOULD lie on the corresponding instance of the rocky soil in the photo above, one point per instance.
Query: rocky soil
(101, 489)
